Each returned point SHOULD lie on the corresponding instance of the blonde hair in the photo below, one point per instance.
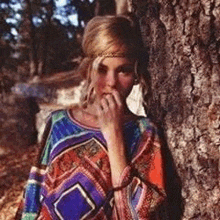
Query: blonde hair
(108, 36)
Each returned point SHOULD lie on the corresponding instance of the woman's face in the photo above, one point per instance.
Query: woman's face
(114, 73)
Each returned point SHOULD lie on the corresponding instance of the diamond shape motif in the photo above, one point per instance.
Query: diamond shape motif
(77, 198)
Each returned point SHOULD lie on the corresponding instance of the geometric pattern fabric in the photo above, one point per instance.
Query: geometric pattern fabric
(72, 179)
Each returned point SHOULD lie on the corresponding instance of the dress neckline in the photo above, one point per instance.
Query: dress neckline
(73, 119)
(94, 128)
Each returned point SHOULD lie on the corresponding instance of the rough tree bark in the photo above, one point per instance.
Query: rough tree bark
(183, 41)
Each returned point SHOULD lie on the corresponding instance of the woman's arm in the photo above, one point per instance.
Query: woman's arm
(138, 185)
(110, 113)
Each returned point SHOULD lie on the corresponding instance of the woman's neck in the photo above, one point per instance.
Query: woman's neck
(88, 115)
(91, 110)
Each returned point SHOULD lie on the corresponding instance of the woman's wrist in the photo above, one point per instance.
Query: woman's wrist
(114, 136)
(118, 160)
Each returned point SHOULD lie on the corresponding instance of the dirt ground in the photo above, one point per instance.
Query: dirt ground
(14, 170)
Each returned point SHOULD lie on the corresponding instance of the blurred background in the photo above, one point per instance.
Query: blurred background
(40, 50)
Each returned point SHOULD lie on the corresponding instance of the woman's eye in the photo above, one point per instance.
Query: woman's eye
(126, 70)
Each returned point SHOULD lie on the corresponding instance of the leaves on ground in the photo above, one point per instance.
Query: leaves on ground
(14, 170)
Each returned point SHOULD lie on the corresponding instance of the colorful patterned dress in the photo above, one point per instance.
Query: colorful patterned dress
(72, 178)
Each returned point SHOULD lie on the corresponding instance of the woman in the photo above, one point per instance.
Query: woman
(99, 160)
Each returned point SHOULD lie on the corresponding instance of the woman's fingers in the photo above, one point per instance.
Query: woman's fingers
(117, 98)
(109, 113)
(111, 101)
(104, 104)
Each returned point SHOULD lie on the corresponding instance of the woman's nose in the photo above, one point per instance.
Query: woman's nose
(111, 79)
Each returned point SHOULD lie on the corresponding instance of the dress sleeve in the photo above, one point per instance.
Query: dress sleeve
(142, 192)
(31, 202)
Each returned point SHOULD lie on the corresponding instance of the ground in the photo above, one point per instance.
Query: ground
(14, 170)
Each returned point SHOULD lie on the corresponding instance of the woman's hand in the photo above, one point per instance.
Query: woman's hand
(110, 116)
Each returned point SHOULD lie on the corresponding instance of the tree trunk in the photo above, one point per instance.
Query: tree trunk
(33, 50)
(183, 41)
(104, 7)
(43, 64)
